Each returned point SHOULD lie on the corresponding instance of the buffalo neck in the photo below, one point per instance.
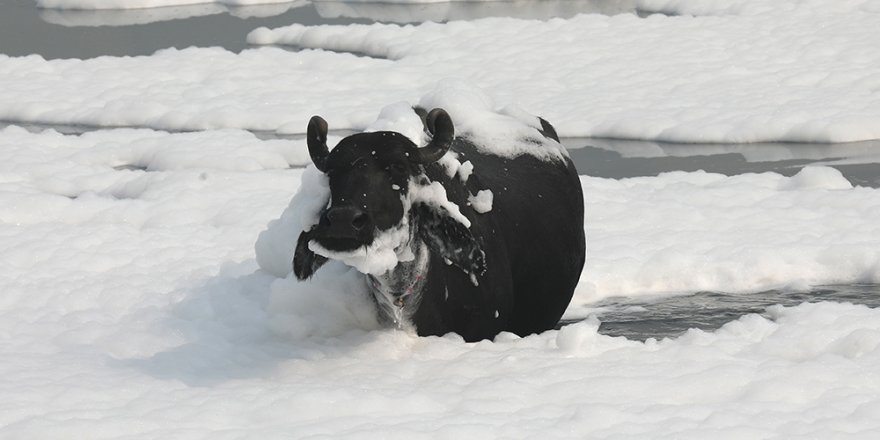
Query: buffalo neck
(398, 291)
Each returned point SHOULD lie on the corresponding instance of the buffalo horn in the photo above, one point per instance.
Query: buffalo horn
(440, 125)
(316, 137)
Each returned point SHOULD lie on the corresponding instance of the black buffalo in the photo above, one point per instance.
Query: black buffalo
(514, 268)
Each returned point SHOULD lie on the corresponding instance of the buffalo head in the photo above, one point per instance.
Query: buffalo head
(370, 176)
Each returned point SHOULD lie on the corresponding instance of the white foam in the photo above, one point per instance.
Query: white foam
(434, 194)
(275, 245)
(701, 231)
(637, 78)
(389, 247)
(481, 201)
(133, 305)
(442, 11)
(507, 132)
(400, 117)
(591, 75)
(817, 177)
(465, 171)
(383, 254)
(146, 304)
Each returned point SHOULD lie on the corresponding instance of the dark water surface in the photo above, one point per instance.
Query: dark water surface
(25, 30)
(859, 162)
(663, 317)
(57, 33)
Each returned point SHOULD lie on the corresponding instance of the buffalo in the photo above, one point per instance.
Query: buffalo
(508, 260)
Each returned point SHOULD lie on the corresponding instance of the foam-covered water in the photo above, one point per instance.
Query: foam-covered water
(134, 303)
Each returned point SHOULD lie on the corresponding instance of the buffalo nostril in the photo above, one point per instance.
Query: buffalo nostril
(333, 216)
(359, 220)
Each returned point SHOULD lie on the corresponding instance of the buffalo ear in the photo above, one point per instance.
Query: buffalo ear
(449, 238)
(306, 262)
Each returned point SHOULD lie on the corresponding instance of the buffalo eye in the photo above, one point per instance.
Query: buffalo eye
(397, 169)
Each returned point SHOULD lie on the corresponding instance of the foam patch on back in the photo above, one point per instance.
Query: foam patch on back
(506, 132)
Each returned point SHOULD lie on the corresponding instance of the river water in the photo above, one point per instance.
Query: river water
(26, 29)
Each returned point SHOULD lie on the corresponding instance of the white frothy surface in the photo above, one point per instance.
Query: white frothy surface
(753, 70)
(134, 303)
(134, 294)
